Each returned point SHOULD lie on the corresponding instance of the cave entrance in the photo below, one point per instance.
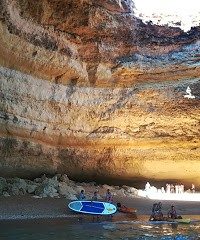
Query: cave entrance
(174, 13)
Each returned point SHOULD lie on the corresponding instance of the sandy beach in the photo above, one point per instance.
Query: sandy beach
(50, 198)
(27, 207)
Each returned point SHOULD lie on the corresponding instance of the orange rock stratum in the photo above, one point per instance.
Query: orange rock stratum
(89, 90)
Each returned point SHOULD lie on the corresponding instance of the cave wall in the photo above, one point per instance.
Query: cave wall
(89, 90)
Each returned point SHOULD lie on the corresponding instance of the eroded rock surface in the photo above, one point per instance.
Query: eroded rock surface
(89, 90)
(54, 187)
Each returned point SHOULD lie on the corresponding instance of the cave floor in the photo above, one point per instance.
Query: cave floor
(27, 207)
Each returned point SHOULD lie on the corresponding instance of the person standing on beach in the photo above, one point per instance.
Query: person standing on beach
(147, 187)
(176, 188)
(109, 197)
(193, 188)
(167, 188)
(82, 195)
(95, 197)
(172, 188)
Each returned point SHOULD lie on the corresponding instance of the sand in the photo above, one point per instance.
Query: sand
(27, 207)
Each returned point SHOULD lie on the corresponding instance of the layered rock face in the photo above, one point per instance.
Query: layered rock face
(89, 90)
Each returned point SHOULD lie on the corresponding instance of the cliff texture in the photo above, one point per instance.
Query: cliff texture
(89, 90)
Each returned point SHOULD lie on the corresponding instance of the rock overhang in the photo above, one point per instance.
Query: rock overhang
(95, 89)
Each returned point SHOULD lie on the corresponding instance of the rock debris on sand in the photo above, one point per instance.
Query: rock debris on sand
(49, 197)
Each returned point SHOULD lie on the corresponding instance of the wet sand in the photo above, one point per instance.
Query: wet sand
(27, 207)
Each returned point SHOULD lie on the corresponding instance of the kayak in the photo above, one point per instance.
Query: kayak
(127, 210)
(183, 220)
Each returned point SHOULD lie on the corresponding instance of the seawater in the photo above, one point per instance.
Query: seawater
(125, 230)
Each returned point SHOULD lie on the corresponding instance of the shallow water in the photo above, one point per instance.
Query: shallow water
(63, 230)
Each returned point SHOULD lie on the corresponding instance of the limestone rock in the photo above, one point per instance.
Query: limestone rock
(14, 190)
(6, 194)
(3, 185)
(46, 191)
(89, 90)
(41, 179)
(130, 190)
(120, 193)
(64, 178)
(78, 188)
(17, 186)
(58, 177)
(105, 186)
(31, 188)
(67, 191)
(51, 182)
(48, 187)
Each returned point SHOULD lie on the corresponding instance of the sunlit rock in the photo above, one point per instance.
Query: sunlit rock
(175, 13)
(89, 90)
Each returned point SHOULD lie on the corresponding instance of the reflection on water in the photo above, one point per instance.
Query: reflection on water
(62, 230)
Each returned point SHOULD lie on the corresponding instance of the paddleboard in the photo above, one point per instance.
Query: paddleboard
(183, 220)
(92, 207)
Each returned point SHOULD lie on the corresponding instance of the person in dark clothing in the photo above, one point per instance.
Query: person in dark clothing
(172, 214)
(82, 195)
(95, 197)
(156, 214)
(109, 197)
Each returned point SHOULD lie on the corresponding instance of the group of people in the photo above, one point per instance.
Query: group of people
(108, 196)
(170, 188)
(177, 188)
(157, 214)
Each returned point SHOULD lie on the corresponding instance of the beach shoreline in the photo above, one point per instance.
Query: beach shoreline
(29, 208)
(48, 198)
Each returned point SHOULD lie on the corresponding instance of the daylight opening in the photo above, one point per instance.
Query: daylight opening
(174, 13)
